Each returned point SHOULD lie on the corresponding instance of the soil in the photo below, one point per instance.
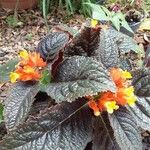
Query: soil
(28, 32)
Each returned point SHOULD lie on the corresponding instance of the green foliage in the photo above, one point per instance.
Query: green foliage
(1, 113)
(83, 70)
(29, 37)
(101, 13)
(6, 69)
(12, 21)
(71, 6)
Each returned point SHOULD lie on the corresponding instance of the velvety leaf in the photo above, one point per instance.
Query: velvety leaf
(18, 103)
(141, 82)
(108, 50)
(141, 112)
(50, 46)
(6, 69)
(125, 130)
(124, 43)
(103, 136)
(85, 44)
(66, 126)
(79, 76)
(125, 64)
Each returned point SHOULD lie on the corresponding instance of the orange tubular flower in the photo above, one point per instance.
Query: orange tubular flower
(28, 68)
(109, 101)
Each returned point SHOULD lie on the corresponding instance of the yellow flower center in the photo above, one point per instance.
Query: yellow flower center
(13, 77)
(24, 54)
(94, 23)
(111, 106)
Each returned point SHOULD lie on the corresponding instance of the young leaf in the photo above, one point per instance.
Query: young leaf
(102, 136)
(141, 112)
(85, 44)
(79, 76)
(18, 103)
(125, 130)
(50, 46)
(6, 69)
(66, 126)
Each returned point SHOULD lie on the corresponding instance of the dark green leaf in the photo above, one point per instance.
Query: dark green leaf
(66, 126)
(1, 113)
(79, 76)
(6, 69)
(18, 103)
(50, 46)
(103, 135)
(141, 82)
(125, 130)
(141, 112)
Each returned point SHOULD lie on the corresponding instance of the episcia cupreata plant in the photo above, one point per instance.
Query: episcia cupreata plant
(99, 96)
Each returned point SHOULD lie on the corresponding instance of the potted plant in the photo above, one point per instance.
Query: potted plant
(21, 4)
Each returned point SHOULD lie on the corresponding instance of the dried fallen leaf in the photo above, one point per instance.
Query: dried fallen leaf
(145, 25)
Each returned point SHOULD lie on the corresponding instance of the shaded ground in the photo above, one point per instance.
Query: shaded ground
(31, 29)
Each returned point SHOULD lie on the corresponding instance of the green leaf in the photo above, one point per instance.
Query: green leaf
(125, 130)
(141, 83)
(116, 22)
(50, 46)
(6, 69)
(46, 77)
(66, 126)
(98, 12)
(126, 26)
(103, 135)
(141, 112)
(72, 31)
(1, 113)
(18, 104)
(79, 76)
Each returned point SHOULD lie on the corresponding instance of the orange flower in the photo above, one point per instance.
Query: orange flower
(35, 60)
(109, 101)
(120, 77)
(93, 105)
(28, 68)
(28, 73)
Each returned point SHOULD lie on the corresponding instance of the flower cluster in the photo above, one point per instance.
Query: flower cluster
(28, 68)
(109, 101)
